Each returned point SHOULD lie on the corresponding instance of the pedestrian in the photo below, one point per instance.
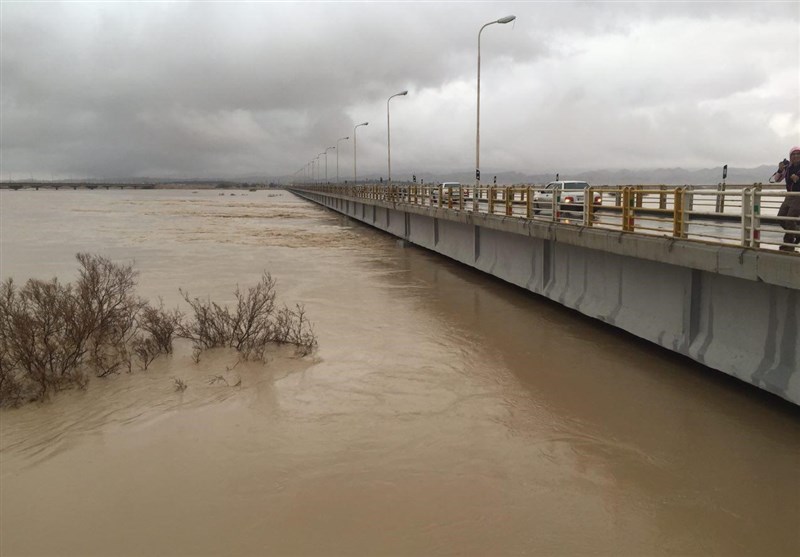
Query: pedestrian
(790, 208)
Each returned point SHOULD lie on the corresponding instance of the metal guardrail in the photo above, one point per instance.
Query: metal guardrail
(734, 215)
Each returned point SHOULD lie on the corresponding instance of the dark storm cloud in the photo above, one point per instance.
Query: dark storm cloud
(226, 89)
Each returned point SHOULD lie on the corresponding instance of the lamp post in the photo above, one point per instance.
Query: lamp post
(319, 164)
(507, 19)
(389, 135)
(355, 175)
(337, 157)
(326, 162)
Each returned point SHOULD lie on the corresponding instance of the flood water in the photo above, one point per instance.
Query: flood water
(444, 412)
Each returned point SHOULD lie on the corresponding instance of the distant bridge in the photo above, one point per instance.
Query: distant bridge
(33, 185)
(73, 185)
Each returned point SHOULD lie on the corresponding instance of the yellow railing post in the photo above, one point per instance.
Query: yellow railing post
(627, 210)
(528, 202)
(677, 213)
(756, 216)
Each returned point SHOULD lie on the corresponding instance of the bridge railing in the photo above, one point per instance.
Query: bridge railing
(734, 215)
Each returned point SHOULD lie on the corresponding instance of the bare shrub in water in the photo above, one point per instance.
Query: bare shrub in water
(252, 326)
(146, 349)
(53, 335)
(292, 327)
(110, 308)
(10, 387)
(45, 336)
(162, 325)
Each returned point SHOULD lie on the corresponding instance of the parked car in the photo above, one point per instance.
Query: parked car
(569, 196)
(451, 188)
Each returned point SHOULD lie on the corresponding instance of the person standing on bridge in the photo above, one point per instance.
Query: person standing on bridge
(791, 203)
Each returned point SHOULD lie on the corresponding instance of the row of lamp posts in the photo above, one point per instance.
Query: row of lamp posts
(507, 19)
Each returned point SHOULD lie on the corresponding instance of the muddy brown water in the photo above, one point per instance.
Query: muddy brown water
(444, 413)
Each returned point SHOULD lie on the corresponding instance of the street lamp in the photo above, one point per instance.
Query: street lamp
(318, 164)
(355, 175)
(389, 134)
(507, 19)
(337, 157)
(326, 162)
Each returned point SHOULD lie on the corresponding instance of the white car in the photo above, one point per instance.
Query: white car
(453, 189)
(569, 195)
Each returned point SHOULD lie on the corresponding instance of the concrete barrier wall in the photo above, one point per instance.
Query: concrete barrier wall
(735, 310)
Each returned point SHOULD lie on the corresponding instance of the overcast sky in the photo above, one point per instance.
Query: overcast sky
(229, 89)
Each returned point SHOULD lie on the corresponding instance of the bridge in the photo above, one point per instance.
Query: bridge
(693, 269)
(199, 184)
(73, 185)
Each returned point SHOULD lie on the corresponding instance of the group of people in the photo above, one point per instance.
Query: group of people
(790, 171)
